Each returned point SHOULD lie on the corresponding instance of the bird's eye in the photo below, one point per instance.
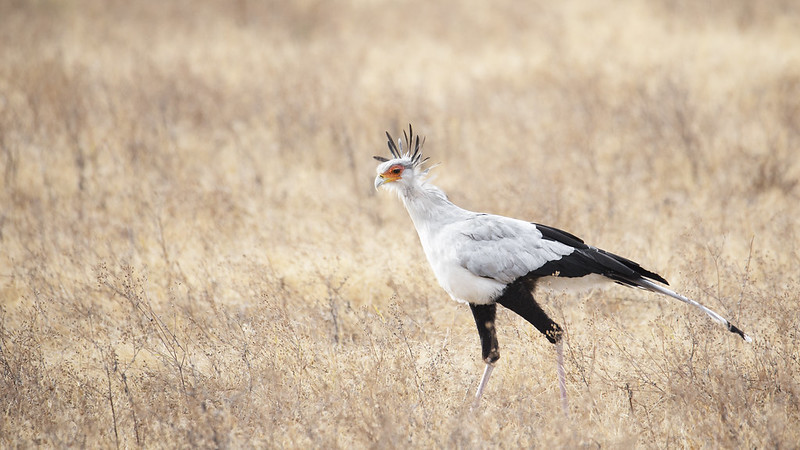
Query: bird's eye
(395, 170)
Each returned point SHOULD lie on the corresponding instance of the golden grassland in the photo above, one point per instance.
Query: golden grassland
(192, 252)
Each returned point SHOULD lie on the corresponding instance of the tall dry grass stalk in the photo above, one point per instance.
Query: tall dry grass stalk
(192, 253)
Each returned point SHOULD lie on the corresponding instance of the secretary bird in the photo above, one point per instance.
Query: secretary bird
(484, 259)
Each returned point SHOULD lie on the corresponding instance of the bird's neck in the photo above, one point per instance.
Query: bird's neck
(429, 207)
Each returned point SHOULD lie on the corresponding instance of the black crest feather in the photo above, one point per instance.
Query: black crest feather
(393, 147)
(397, 148)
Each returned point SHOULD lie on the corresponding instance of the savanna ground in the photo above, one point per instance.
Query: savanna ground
(192, 252)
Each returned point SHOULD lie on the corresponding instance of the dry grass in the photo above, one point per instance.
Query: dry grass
(192, 253)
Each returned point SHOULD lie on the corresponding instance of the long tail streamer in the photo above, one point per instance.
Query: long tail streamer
(650, 286)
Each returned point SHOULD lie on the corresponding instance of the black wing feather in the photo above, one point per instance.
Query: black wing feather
(586, 260)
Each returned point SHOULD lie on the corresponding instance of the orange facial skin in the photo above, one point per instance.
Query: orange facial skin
(393, 173)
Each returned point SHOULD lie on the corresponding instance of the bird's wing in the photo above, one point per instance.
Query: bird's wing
(504, 249)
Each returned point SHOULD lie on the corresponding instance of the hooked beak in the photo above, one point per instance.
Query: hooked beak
(386, 177)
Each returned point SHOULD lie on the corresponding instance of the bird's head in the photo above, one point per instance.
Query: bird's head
(405, 168)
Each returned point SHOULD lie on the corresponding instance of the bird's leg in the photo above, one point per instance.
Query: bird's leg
(484, 381)
(562, 379)
(484, 319)
(518, 298)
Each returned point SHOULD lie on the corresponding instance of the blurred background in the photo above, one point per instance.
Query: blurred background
(192, 251)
